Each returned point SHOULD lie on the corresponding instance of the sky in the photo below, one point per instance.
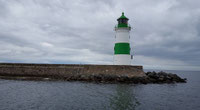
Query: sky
(165, 33)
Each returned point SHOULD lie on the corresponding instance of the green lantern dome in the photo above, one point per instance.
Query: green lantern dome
(122, 21)
(122, 17)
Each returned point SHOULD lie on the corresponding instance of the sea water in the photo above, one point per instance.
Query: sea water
(63, 95)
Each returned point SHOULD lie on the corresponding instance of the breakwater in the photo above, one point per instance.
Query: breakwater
(68, 71)
(75, 72)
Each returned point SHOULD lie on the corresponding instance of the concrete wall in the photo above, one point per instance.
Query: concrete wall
(67, 70)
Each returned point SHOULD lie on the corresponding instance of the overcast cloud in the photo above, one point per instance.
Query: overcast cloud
(165, 33)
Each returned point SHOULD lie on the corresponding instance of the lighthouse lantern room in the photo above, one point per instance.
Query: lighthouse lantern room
(122, 48)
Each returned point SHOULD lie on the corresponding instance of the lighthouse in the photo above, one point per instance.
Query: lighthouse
(122, 48)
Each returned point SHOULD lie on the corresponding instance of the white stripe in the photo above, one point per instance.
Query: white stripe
(122, 36)
(122, 59)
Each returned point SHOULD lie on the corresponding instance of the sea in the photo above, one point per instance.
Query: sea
(63, 95)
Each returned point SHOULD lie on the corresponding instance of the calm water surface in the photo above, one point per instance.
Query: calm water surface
(58, 95)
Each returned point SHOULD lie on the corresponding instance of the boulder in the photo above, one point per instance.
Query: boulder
(163, 77)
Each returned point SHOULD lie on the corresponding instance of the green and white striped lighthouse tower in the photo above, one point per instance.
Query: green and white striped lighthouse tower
(122, 38)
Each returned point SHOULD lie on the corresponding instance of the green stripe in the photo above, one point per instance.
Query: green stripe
(122, 25)
(122, 48)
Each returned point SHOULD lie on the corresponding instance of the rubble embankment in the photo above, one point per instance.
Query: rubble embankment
(89, 73)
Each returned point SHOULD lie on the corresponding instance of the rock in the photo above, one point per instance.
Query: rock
(163, 77)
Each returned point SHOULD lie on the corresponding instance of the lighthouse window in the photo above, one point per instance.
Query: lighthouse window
(123, 21)
(126, 21)
(120, 21)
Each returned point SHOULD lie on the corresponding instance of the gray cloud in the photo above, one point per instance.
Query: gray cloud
(165, 34)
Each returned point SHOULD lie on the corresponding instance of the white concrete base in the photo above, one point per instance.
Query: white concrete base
(122, 59)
